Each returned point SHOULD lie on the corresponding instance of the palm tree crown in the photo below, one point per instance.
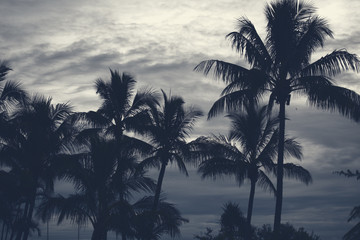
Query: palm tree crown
(122, 109)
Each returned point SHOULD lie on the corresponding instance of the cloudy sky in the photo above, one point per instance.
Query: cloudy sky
(59, 48)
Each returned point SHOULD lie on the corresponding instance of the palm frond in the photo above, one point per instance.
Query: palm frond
(180, 163)
(297, 172)
(315, 32)
(355, 213)
(353, 233)
(216, 167)
(225, 71)
(150, 162)
(332, 98)
(138, 183)
(248, 42)
(4, 70)
(305, 83)
(332, 64)
(292, 148)
(72, 208)
(231, 102)
(265, 183)
(14, 93)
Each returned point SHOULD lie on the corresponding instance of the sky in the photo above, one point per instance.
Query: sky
(59, 48)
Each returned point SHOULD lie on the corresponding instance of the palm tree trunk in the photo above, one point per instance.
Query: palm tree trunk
(158, 185)
(251, 202)
(280, 168)
(250, 208)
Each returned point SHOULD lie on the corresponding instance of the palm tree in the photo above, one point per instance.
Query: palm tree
(281, 66)
(257, 138)
(122, 108)
(149, 224)
(105, 177)
(39, 132)
(171, 125)
(233, 223)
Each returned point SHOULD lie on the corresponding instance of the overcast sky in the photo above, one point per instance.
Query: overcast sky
(59, 48)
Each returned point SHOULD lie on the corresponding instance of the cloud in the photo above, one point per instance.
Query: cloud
(59, 48)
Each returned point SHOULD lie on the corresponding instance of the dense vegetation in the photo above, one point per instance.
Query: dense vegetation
(106, 154)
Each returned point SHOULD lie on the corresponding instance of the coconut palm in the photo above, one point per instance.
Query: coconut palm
(149, 224)
(280, 66)
(39, 132)
(171, 125)
(105, 177)
(249, 149)
(122, 109)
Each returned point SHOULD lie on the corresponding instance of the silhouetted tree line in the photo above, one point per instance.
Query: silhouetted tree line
(233, 226)
(107, 153)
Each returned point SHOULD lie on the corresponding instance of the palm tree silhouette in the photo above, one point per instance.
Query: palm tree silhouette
(281, 66)
(171, 125)
(233, 223)
(257, 138)
(105, 177)
(122, 108)
(39, 133)
(149, 224)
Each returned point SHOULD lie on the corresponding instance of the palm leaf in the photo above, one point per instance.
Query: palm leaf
(297, 172)
(248, 42)
(4, 70)
(225, 71)
(332, 64)
(231, 102)
(265, 183)
(292, 148)
(332, 98)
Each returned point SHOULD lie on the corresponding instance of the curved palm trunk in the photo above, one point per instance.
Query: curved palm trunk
(280, 168)
(158, 186)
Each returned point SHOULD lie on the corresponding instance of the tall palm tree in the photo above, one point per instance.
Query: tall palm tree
(281, 66)
(171, 125)
(39, 132)
(105, 177)
(249, 149)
